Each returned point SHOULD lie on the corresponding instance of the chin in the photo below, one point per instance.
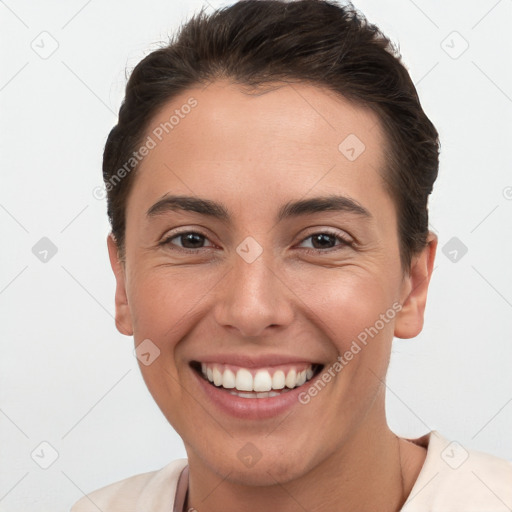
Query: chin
(264, 474)
(270, 469)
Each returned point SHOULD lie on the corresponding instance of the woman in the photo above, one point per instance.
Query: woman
(260, 133)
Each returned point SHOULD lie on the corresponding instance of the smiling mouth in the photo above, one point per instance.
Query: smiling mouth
(256, 382)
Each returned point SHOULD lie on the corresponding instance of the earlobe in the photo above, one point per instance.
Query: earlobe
(123, 316)
(409, 321)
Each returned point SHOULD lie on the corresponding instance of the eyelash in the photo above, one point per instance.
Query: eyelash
(345, 242)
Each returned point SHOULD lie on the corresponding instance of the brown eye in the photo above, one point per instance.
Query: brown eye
(187, 240)
(327, 240)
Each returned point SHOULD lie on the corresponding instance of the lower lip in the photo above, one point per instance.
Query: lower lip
(252, 408)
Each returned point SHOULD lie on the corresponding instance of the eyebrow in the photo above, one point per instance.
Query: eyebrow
(218, 211)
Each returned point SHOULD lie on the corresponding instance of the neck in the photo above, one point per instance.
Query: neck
(369, 469)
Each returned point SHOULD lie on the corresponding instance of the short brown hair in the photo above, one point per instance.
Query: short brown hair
(255, 42)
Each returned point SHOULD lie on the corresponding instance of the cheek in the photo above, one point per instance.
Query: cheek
(164, 302)
(349, 301)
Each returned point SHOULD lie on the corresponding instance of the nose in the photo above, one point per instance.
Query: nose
(253, 298)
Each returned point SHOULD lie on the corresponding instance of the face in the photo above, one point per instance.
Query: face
(282, 260)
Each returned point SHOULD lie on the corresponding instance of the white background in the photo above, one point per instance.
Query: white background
(70, 379)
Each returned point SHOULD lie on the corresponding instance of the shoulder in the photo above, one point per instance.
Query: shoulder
(153, 491)
(455, 478)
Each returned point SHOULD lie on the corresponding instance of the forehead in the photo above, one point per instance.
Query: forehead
(226, 137)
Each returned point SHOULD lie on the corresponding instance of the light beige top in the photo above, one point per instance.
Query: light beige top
(452, 479)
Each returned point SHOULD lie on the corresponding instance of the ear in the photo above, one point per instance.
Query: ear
(123, 316)
(409, 321)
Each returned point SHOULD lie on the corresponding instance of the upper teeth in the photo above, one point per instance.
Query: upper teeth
(243, 379)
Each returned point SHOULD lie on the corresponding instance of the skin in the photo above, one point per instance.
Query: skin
(337, 452)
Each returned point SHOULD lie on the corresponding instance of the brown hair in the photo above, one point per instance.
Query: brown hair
(255, 42)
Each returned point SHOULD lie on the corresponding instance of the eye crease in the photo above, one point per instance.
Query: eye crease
(320, 235)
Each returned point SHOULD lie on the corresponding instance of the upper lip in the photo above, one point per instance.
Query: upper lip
(260, 361)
